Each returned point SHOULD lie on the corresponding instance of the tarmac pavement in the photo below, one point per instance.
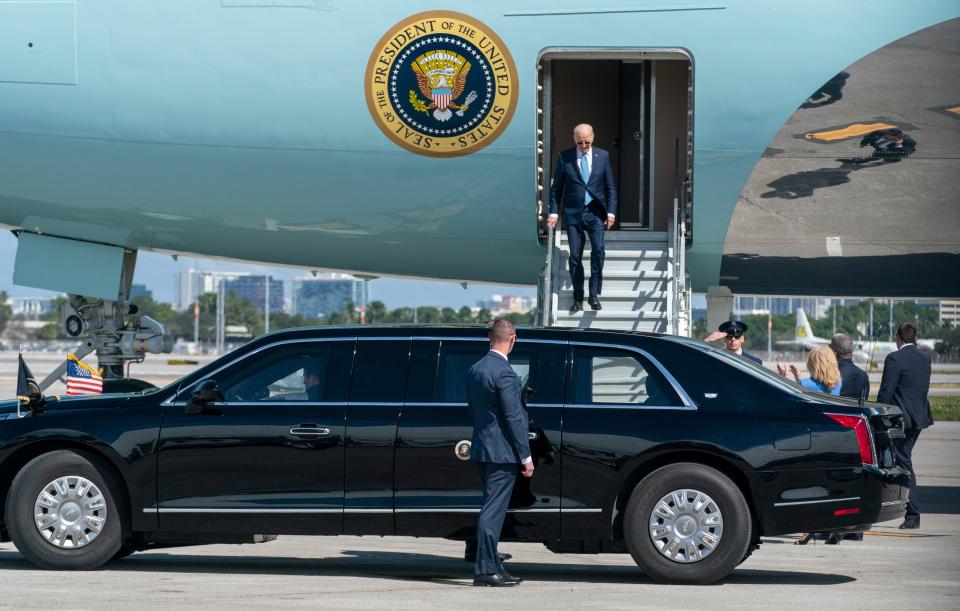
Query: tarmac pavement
(888, 569)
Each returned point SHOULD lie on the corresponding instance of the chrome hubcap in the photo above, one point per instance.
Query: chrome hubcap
(686, 525)
(70, 512)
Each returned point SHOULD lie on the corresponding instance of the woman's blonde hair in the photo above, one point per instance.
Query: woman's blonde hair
(822, 365)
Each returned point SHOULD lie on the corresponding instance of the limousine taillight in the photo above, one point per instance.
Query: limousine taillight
(864, 439)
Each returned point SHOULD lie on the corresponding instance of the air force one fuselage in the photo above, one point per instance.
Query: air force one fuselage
(266, 131)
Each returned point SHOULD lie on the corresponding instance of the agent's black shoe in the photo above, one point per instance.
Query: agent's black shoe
(576, 307)
(511, 577)
(833, 539)
(594, 302)
(910, 523)
(497, 580)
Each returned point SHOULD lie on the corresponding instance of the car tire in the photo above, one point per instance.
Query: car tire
(701, 507)
(79, 496)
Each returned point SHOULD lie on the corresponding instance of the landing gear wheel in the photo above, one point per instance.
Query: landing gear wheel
(62, 512)
(687, 523)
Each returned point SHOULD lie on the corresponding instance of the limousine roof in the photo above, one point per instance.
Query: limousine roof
(441, 330)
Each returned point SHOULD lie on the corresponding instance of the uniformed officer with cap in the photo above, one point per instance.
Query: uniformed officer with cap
(732, 333)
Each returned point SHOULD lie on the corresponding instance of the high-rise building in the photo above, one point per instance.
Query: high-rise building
(140, 290)
(325, 294)
(950, 312)
(254, 289)
(191, 283)
(745, 305)
(506, 304)
(31, 308)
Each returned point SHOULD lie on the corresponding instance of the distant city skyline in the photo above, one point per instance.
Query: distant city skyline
(158, 273)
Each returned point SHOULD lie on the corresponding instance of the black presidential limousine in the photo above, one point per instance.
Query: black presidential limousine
(664, 447)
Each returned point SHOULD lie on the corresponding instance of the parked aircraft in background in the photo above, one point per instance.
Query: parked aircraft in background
(803, 336)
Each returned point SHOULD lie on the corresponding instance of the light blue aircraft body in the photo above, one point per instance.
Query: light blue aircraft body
(239, 128)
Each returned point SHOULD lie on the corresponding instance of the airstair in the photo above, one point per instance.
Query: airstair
(645, 284)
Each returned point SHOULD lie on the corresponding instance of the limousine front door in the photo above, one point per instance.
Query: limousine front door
(269, 458)
(438, 492)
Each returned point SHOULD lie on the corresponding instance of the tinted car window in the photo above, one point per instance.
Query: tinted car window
(422, 372)
(539, 366)
(609, 376)
(455, 358)
(294, 372)
(380, 371)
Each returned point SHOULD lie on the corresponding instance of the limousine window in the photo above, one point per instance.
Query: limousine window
(609, 376)
(295, 372)
(380, 371)
(539, 366)
(422, 372)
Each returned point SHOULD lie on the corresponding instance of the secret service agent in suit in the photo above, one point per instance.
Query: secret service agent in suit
(732, 333)
(855, 383)
(583, 180)
(499, 447)
(905, 383)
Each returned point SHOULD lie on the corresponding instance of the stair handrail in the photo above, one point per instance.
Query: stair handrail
(547, 316)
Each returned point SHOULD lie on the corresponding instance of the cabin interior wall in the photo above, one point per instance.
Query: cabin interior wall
(670, 137)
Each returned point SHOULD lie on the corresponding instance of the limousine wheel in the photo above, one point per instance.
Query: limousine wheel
(687, 523)
(61, 512)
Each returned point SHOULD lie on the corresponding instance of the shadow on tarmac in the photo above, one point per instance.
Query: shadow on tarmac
(939, 499)
(413, 567)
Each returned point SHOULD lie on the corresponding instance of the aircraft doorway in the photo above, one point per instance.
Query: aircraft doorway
(639, 103)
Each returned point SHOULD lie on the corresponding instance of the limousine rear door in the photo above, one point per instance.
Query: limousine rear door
(438, 492)
(620, 402)
(269, 458)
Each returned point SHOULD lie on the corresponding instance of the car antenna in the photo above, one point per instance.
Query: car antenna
(863, 398)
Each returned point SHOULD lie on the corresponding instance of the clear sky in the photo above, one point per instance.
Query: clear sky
(158, 272)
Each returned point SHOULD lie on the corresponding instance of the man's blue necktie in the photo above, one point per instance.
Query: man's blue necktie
(585, 174)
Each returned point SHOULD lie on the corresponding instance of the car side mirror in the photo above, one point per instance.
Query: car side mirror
(205, 393)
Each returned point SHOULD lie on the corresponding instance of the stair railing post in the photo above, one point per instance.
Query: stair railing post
(546, 316)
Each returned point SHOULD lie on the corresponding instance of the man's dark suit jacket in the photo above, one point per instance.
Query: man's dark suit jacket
(854, 381)
(905, 383)
(568, 184)
(499, 421)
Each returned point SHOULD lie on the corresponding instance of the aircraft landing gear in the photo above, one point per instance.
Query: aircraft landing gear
(114, 331)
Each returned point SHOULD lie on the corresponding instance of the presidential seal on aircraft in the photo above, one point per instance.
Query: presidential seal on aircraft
(441, 84)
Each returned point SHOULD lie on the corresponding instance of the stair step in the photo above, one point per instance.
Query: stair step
(626, 236)
(620, 295)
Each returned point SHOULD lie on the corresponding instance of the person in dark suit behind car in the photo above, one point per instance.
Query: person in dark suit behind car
(905, 383)
(855, 382)
(499, 446)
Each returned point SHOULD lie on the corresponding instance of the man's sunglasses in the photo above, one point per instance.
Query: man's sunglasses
(735, 335)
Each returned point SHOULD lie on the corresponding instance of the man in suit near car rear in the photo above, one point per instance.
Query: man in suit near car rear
(583, 179)
(499, 447)
(905, 383)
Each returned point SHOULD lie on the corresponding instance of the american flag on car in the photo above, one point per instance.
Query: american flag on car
(82, 379)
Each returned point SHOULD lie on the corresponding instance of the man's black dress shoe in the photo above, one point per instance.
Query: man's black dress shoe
(576, 307)
(504, 573)
(497, 580)
(910, 523)
(594, 302)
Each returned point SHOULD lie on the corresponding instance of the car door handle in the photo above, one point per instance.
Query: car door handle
(531, 435)
(309, 430)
